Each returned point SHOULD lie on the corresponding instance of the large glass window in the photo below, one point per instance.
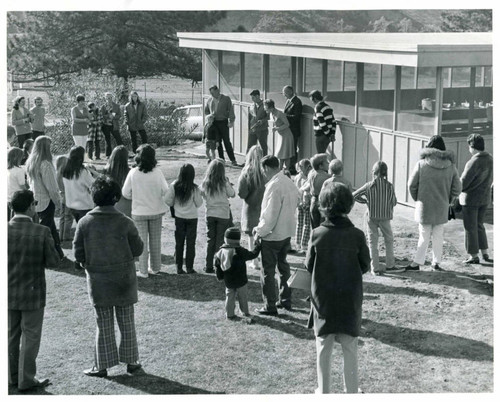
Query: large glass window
(253, 75)
(280, 74)
(417, 112)
(341, 87)
(210, 69)
(230, 79)
(388, 76)
(313, 75)
(377, 104)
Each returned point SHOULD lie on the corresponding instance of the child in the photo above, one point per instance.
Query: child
(337, 258)
(185, 196)
(216, 190)
(95, 134)
(303, 217)
(336, 170)
(210, 137)
(230, 267)
(27, 146)
(66, 217)
(380, 199)
(16, 176)
(313, 185)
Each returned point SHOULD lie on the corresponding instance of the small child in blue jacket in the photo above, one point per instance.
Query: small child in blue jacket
(230, 266)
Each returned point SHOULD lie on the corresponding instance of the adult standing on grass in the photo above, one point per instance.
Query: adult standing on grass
(293, 112)
(476, 179)
(222, 108)
(38, 118)
(111, 278)
(21, 119)
(146, 186)
(251, 186)
(110, 114)
(30, 251)
(80, 119)
(337, 258)
(324, 123)
(135, 116)
(42, 180)
(433, 184)
(275, 229)
(258, 127)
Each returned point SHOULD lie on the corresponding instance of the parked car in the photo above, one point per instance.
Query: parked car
(194, 120)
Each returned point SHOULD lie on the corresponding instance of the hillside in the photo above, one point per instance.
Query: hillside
(325, 20)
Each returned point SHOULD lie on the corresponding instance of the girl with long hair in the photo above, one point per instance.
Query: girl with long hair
(146, 186)
(117, 167)
(216, 190)
(16, 176)
(42, 181)
(251, 186)
(65, 217)
(185, 196)
(21, 120)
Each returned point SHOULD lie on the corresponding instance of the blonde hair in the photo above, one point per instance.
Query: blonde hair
(252, 167)
(39, 153)
(215, 177)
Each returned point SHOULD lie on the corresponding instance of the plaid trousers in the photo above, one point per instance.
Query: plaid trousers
(303, 228)
(106, 353)
(149, 228)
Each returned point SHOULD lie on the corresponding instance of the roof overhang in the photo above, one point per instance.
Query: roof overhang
(402, 49)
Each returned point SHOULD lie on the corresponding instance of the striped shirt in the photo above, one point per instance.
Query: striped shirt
(323, 120)
(379, 196)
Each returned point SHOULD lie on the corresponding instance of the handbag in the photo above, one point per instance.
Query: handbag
(300, 279)
(451, 213)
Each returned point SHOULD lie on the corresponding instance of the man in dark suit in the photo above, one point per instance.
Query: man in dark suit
(30, 249)
(258, 126)
(293, 112)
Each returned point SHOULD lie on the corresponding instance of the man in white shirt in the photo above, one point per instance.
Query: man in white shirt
(275, 229)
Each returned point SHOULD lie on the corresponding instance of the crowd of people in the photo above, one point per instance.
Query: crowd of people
(122, 208)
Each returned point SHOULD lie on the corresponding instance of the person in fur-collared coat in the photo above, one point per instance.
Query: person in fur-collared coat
(433, 184)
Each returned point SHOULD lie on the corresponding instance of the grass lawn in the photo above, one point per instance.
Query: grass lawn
(423, 332)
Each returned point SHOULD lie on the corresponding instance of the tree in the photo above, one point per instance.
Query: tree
(405, 25)
(380, 25)
(50, 45)
(341, 26)
(467, 21)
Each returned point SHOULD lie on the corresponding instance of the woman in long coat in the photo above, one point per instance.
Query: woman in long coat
(285, 148)
(433, 184)
(111, 277)
(251, 186)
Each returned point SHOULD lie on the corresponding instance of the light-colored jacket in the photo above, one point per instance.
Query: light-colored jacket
(20, 119)
(433, 184)
(147, 191)
(277, 216)
(188, 210)
(45, 187)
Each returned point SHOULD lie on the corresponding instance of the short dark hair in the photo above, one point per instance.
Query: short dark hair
(105, 191)
(269, 103)
(270, 161)
(22, 200)
(318, 159)
(255, 92)
(476, 141)
(80, 98)
(316, 94)
(213, 87)
(335, 199)
(146, 158)
(380, 169)
(436, 142)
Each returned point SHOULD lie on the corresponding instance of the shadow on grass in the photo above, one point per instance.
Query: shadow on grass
(479, 284)
(152, 384)
(377, 288)
(34, 391)
(427, 343)
(293, 326)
